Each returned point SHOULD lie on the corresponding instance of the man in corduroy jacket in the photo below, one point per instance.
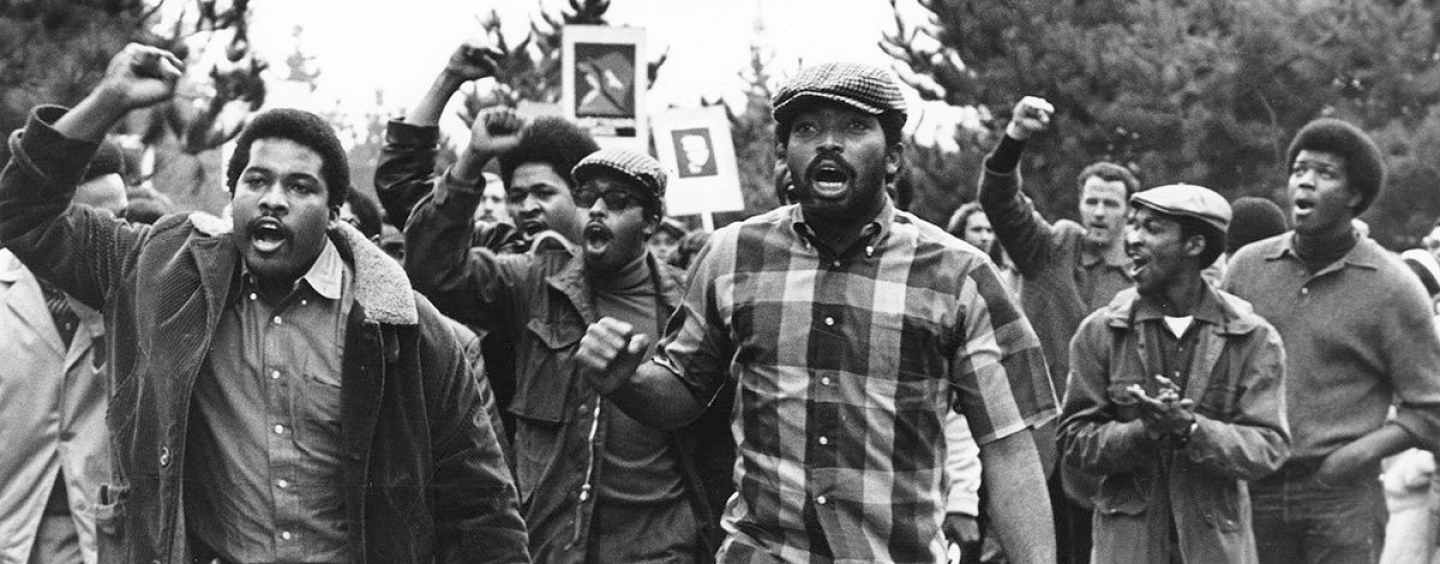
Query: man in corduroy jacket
(278, 392)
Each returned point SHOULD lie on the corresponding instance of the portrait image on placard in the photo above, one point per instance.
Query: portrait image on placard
(604, 80)
(694, 152)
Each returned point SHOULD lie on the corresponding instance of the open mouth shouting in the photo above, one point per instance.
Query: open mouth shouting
(1301, 208)
(1137, 265)
(532, 226)
(267, 234)
(829, 177)
(597, 238)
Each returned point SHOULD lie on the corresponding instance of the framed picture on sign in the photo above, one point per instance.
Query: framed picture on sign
(694, 146)
(605, 77)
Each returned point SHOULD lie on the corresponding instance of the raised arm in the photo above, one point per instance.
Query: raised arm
(1019, 228)
(79, 249)
(407, 160)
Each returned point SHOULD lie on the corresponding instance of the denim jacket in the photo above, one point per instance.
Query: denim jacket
(1236, 378)
(540, 301)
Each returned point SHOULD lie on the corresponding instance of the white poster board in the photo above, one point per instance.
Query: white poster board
(694, 146)
(604, 79)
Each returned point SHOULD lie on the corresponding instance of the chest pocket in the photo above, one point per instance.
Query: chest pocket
(545, 382)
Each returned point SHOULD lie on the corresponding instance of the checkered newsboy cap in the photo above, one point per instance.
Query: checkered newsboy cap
(867, 88)
(1187, 200)
(640, 168)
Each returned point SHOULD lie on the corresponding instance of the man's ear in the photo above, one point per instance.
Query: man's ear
(779, 150)
(893, 155)
(1194, 246)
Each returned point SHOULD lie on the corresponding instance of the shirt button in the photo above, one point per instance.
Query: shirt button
(820, 500)
(825, 380)
(829, 320)
(164, 456)
(283, 483)
(1304, 291)
(304, 302)
(276, 320)
(279, 429)
(286, 535)
(835, 264)
(253, 296)
(824, 440)
(275, 375)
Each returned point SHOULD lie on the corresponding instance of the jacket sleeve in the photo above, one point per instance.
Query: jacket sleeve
(477, 509)
(406, 169)
(1022, 232)
(1092, 437)
(79, 249)
(471, 285)
(1256, 441)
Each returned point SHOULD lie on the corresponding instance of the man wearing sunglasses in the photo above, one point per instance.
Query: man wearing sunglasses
(596, 485)
(849, 328)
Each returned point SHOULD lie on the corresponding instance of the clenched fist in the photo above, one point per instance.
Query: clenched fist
(1030, 115)
(610, 352)
(141, 75)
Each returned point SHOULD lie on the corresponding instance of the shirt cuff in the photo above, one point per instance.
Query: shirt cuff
(1006, 157)
(57, 159)
(458, 198)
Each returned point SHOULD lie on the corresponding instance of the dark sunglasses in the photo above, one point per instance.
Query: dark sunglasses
(614, 199)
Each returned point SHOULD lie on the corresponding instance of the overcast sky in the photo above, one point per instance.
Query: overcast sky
(364, 45)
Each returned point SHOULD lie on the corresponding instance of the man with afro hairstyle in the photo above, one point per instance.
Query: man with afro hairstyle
(1359, 340)
(534, 159)
(278, 392)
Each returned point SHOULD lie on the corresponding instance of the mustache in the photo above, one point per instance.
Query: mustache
(829, 159)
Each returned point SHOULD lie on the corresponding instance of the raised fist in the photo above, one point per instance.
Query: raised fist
(495, 132)
(472, 62)
(1030, 115)
(140, 75)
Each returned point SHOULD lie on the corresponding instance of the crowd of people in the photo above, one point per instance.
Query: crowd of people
(522, 358)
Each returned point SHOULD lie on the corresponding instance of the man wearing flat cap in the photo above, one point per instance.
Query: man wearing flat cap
(596, 485)
(1176, 395)
(850, 328)
(1358, 340)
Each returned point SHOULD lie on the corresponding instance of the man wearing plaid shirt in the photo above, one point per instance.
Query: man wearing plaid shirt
(850, 328)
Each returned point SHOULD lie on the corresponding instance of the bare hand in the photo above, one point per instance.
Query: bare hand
(610, 352)
(1166, 413)
(472, 61)
(495, 132)
(140, 76)
(1030, 115)
(964, 531)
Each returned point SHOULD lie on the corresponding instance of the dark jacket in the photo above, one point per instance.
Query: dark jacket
(541, 302)
(426, 481)
(1236, 378)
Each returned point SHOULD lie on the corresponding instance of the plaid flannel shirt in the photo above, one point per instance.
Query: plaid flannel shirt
(846, 366)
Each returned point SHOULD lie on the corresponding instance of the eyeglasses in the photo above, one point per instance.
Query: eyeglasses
(614, 199)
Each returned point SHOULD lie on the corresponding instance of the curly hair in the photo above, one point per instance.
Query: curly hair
(304, 128)
(553, 141)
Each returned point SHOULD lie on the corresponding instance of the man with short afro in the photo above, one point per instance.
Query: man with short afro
(279, 392)
(1359, 341)
(542, 152)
